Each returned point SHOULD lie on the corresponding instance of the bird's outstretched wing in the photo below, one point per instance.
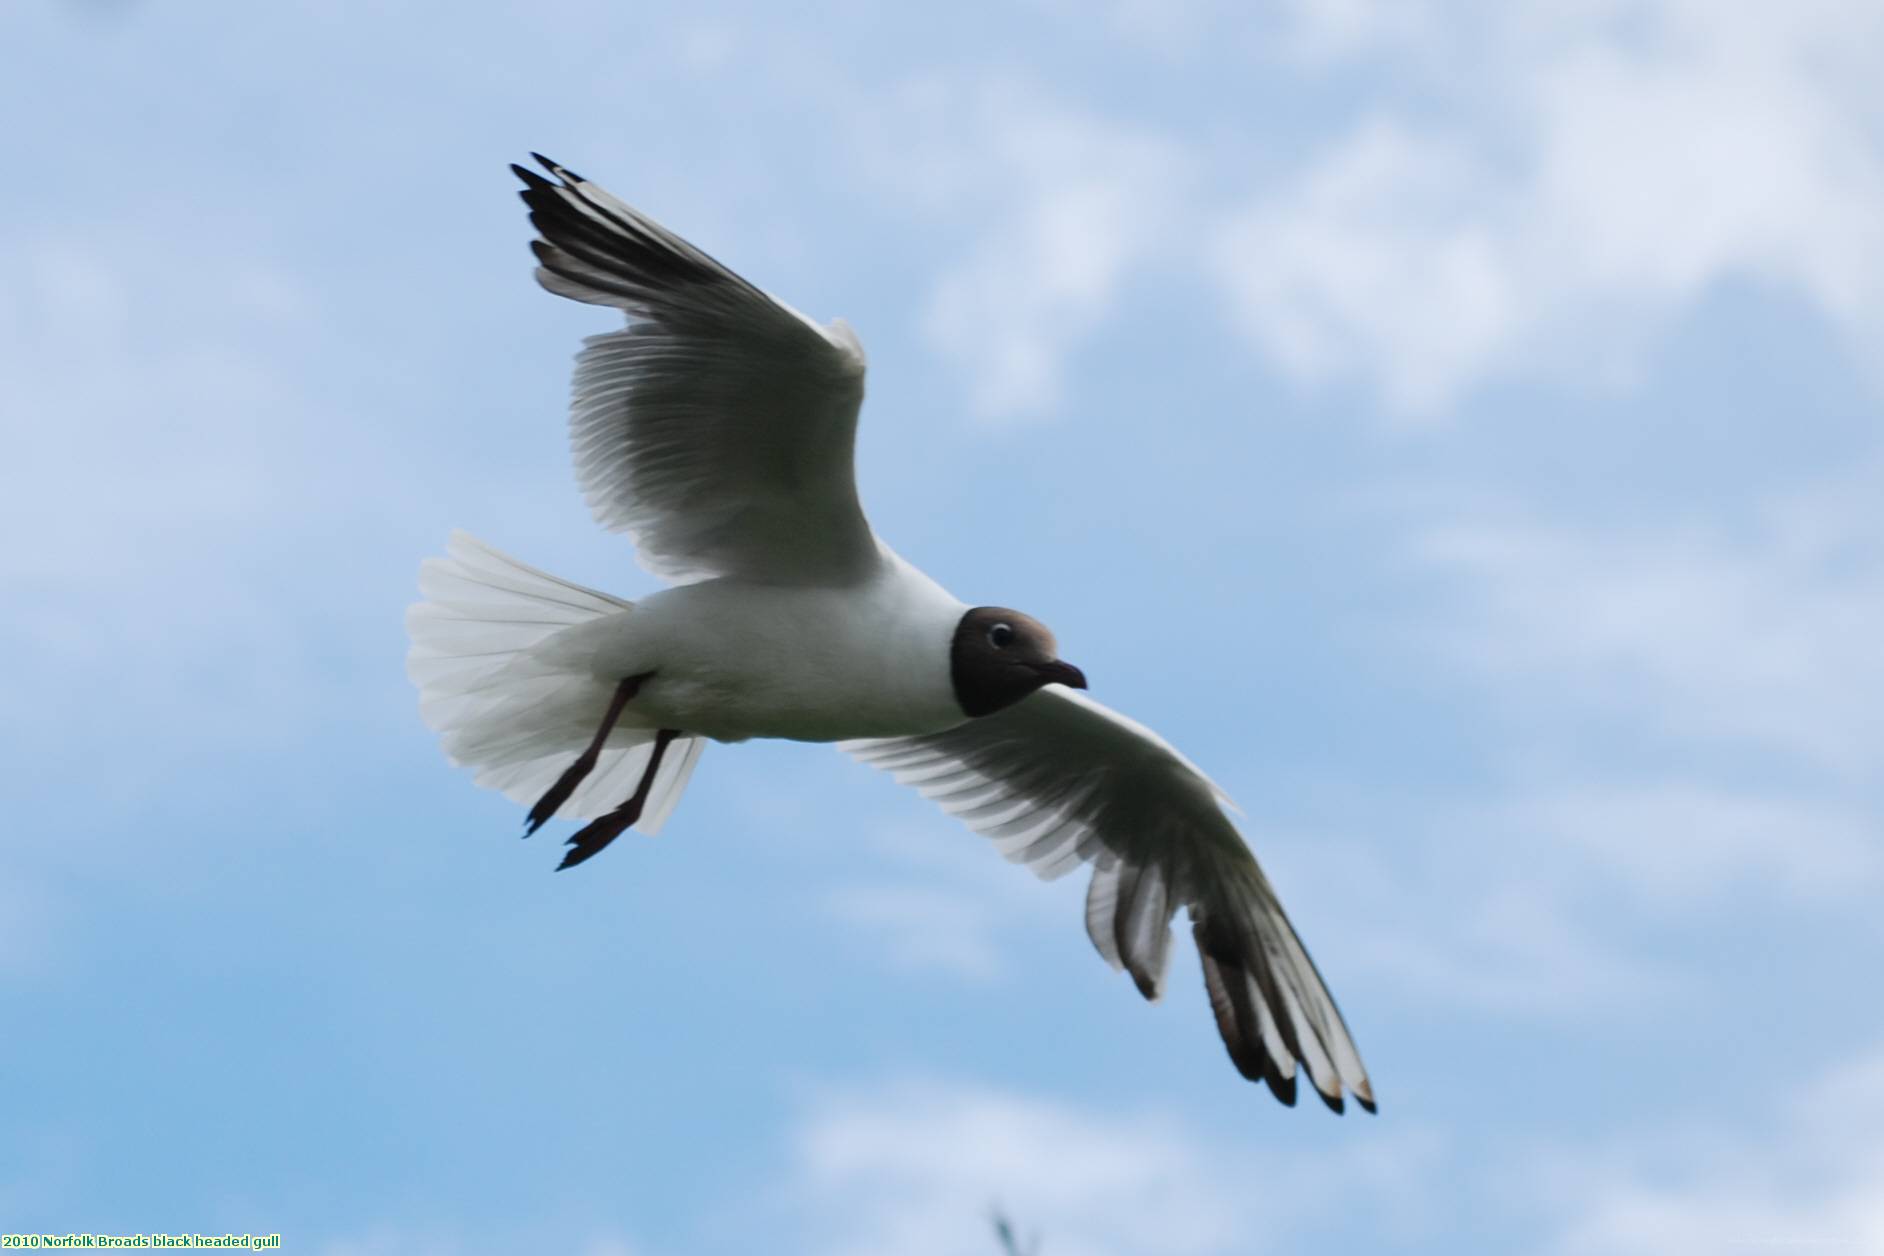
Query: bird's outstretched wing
(1058, 780)
(718, 429)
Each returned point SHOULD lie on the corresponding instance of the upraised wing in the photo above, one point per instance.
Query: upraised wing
(718, 429)
(1058, 780)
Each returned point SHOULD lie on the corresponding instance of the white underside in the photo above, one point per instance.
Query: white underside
(516, 669)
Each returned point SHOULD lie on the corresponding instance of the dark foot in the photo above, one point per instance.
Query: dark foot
(585, 762)
(591, 838)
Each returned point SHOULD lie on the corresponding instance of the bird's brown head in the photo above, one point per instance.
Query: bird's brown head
(1000, 656)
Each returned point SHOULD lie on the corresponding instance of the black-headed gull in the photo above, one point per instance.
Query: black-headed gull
(716, 430)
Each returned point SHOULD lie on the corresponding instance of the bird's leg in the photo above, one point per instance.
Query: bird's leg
(585, 762)
(599, 833)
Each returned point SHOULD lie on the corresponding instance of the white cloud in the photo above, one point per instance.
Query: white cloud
(1578, 891)
(609, 1245)
(914, 1168)
(946, 902)
(1614, 161)
(1510, 949)
(168, 449)
(1323, 31)
(923, 927)
(1685, 846)
(1475, 911)
(144, 423)
(1813, 1182)
(1688, 737)
(1379, 259)
(1599, 170)
(1761, 634)
(1175, 30)
(199, 514)
(1068, 202)
(1739, 660)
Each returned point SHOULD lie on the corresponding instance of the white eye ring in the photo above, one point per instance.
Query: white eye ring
(1001, 636)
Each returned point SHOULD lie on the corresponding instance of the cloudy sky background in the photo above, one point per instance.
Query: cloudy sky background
(1458, 429)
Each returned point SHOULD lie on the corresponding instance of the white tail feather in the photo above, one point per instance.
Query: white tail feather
(501, 707)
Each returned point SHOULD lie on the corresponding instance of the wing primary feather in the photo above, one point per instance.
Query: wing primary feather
(531, 179)
(997, 810)
(1142, 928)
(1314, 1053)
(1101, 911)
(1057, 780)
(1240, 1023)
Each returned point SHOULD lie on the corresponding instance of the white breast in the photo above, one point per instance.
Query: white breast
(734, 660)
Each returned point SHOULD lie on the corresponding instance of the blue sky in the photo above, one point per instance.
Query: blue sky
(1457, 429)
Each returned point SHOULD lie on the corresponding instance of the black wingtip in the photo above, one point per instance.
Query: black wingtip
(579, 852)
(1333, 1102)
(1368, 1106)
(560, 171)
(531, 179)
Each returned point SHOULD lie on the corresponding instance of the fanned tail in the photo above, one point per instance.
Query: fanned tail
(500, 706)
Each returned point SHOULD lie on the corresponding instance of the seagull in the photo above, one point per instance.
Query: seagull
(717, 430)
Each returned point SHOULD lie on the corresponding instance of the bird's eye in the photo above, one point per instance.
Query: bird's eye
(1001, 636)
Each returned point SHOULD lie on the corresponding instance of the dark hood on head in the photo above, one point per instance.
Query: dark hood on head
(999, 656)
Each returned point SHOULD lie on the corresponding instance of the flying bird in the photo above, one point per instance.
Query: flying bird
(716, 430)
